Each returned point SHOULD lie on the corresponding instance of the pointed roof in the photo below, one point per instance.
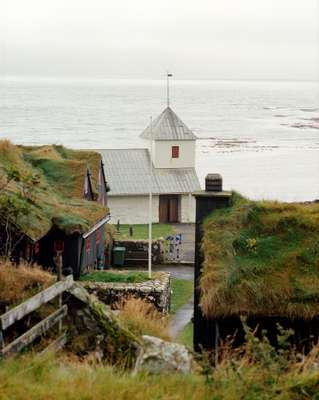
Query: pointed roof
(168, 126)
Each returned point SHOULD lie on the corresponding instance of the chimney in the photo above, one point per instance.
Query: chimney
(213, 183)
(207, 201)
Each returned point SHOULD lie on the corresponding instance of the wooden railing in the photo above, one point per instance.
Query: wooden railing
(17, 313)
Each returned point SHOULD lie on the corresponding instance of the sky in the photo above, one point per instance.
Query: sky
(195, 39)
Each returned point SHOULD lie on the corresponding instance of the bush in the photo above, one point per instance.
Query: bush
(143, 318)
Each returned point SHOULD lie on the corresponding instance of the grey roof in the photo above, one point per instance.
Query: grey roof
(168, 126)
(127, 172)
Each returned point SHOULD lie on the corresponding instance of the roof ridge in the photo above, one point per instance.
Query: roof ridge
(168, 126)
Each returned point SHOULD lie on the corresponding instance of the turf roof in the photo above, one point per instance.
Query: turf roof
(57, 199)
(262, 259)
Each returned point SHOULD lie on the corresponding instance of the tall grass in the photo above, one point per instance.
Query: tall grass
(142, 318)
(17, 283)
(253, 372)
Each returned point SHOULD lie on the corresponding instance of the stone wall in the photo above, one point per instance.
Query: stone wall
(156, 291)
(137, 251)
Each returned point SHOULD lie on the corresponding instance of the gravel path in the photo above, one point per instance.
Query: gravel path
(181, 319)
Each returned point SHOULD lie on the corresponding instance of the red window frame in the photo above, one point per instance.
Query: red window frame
(58, 246)
(88, 245)
(175, 151)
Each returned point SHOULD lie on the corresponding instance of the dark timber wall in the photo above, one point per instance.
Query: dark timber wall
(208, 331)
(206, 202)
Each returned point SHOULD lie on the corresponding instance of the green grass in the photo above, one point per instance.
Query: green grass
(255, 375)
(186, 336)
(52, 188)
(182, 291)
(141, 231)
(261, 257)
(109, 276)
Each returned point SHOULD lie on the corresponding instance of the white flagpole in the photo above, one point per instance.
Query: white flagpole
(167, 87)
(150, 207)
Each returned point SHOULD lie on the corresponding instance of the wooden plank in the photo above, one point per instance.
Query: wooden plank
(1, 340)
(17, 313)
(56, 345)
(39, 329)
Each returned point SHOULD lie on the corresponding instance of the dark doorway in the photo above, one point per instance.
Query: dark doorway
(168, 209)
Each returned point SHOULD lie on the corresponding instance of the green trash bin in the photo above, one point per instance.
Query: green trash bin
(119, 256)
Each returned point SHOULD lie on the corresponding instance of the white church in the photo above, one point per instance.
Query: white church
(170, 144)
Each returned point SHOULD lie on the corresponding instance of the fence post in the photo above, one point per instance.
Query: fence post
(1, 340)
(59, 271)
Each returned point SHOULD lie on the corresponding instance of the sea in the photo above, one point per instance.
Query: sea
(261, 136)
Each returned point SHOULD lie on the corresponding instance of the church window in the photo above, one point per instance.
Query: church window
(175, 151)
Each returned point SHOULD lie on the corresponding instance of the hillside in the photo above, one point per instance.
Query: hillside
(57, 178)
(261, 258)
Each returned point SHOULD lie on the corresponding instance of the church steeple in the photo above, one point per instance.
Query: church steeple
(168, 126)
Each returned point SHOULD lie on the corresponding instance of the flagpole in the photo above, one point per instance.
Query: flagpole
(168, 75)
(167, 88)
(150, 207)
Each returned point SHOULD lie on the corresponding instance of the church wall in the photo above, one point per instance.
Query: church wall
(188, 206)
(162, 154)
(132, 209)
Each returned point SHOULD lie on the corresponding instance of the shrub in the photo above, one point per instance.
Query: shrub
(143, 318)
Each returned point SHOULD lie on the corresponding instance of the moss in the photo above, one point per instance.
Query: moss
(261, 258)
(57, 197)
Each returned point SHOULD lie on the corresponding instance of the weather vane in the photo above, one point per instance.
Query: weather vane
(168, 75)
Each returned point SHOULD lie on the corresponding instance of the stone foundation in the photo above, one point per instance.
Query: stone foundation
(156, 291)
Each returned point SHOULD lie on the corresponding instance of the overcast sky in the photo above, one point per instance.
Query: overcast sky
(205, 39)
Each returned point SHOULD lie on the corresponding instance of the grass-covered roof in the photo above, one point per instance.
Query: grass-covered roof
(57, 195)
(261, 259)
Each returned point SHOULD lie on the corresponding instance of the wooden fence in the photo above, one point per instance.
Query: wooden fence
(41, 328)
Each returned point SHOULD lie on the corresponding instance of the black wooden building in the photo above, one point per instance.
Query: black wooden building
(77, 250)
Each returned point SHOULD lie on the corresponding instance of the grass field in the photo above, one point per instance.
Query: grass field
(141, 231)
(182, 291)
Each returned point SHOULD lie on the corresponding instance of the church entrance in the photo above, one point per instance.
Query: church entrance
(169, 209)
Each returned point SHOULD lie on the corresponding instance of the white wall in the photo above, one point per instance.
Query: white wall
(162, 154)
(188, 208)
(132, 209)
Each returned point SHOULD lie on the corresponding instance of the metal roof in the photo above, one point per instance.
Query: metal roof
(127, 172)
(168, 126)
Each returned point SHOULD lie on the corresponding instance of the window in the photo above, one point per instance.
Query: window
(175, 151)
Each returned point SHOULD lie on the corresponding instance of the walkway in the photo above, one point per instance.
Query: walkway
(185, 313)
(181, 319)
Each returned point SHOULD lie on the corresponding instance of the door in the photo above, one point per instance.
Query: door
(163, 209)
(168, 209)
(173, 209)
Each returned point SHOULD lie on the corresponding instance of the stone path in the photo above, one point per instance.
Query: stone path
(185, 313)
(181, 319)
(177, 271)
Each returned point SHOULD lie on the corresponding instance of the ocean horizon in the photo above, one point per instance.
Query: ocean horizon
(261, 136)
